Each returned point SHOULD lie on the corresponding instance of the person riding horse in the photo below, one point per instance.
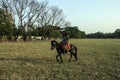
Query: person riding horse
(64, 47)
(60, 50)
(64, 42)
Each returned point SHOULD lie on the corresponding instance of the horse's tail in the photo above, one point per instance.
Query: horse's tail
(74, 48)
(76, 53)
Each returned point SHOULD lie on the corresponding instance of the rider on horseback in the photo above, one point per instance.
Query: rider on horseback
(65, 38)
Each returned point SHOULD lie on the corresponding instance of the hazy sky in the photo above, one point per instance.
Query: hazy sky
(91, 15)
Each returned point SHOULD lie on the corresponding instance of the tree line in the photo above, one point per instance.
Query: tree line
(28, 18)
(115, 34)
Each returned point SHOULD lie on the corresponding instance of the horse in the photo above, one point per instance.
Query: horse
(60, 50)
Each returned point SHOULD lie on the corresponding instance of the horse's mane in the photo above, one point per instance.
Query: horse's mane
(55, 41)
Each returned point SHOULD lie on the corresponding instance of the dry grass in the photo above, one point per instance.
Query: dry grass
(98, 60)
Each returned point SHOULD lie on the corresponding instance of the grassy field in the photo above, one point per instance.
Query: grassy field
(97, 60)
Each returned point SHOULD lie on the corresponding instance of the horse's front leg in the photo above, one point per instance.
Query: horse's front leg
(59, 54)
(70, 56)
(57, 58)
(61, 58)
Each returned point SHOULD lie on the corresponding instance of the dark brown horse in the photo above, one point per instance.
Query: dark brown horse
(60, 50)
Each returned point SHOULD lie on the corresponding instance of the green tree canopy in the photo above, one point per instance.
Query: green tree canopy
(6, 24)
(74, 32)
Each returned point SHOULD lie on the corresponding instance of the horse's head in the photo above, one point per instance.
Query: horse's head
(53, 44)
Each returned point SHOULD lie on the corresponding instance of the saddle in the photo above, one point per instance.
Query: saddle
(66, 47)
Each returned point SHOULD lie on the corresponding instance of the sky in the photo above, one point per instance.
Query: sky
(91, 15)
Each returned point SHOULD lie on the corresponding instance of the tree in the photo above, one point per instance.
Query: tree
(56, 34)
(96, 35)
(16, 33)
(117, 33)
(101, 35)
(6, 24)
(74, 32)
(51, 31)
(28, 12)
(8, 6)
(51, 16)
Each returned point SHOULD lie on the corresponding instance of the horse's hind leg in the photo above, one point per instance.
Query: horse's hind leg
(75, 57)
